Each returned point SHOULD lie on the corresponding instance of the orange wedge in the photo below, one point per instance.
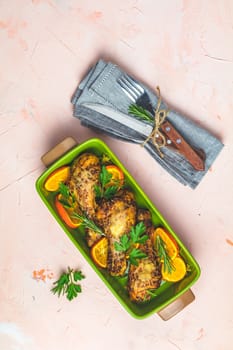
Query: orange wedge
(99, 252)
(178, 272)
(66, 214)
(59, 175)
(117, 175)
(170, 243)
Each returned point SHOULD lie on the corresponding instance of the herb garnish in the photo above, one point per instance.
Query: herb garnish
(163, 255)
(128, 242)
(88, 223)
(152, 292)
(104, 191)
(105, 159)
(67, 199)
(66, 284)
(140, 112)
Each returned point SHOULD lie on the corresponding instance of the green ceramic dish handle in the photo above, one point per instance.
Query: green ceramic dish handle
(59, 150)
(177, 305)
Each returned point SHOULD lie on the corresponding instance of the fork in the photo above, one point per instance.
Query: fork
(137, 94)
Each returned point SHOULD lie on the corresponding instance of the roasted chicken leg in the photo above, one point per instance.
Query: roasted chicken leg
(147, 274)
(84, 177)
(117, 216)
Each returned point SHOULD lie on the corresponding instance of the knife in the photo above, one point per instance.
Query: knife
(133, 123)
(173, 138)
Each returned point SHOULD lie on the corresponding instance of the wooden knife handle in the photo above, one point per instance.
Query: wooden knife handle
(182, 146)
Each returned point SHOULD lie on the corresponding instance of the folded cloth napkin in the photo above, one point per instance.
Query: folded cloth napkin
(100, 86)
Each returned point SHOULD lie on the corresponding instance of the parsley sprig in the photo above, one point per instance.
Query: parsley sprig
(128, 243)
(104, 190)
(67, 198)
(163, 254)
(67, 284)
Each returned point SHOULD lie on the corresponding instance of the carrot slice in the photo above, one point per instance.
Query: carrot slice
(66, 214)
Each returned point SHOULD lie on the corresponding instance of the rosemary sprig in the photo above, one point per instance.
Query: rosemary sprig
(140, 112)
(68, 201)
(152, 292)
(88, 223)
(163, 255)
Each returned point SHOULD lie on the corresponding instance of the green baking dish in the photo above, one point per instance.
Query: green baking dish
(170, 297)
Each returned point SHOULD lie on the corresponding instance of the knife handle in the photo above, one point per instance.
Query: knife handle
(193, 157)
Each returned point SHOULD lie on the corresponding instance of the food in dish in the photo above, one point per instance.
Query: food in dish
(146, 275)
(85, 172)
(120, 234)
(116, 216)
(58, 176)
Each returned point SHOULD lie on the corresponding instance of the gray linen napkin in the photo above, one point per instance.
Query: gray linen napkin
(100, 86)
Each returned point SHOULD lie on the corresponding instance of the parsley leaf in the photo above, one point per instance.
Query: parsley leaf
(137, 233)
(98, 192)
(78, 276)
(66, 284)
(72, 291)
(67, 199)
(123, 245)
(64, 190)
(136, 254)
(110, 192)
(127, 243)
(65, 203)
(104, 189)
(105, 176)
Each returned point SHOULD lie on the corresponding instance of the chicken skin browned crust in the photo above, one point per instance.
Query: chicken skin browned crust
(117, 216)
(147, 274)
(92, 237)
(84, 177)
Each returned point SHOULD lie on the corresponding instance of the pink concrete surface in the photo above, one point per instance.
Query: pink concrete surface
(46, 46)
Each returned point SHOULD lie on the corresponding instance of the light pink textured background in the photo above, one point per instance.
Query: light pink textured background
(46, 46)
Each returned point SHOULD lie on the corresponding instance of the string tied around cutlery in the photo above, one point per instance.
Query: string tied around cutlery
(156, 135)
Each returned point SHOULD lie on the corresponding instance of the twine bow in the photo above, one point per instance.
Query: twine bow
(156, 135)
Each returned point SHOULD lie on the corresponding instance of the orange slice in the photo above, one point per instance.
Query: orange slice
(117, 175)
(66, 214)
(99, 252)
(170, 243)
(178, 272)
(59, 175)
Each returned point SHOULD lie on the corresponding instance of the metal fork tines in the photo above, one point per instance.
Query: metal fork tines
(132, 89)
(135, 92)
